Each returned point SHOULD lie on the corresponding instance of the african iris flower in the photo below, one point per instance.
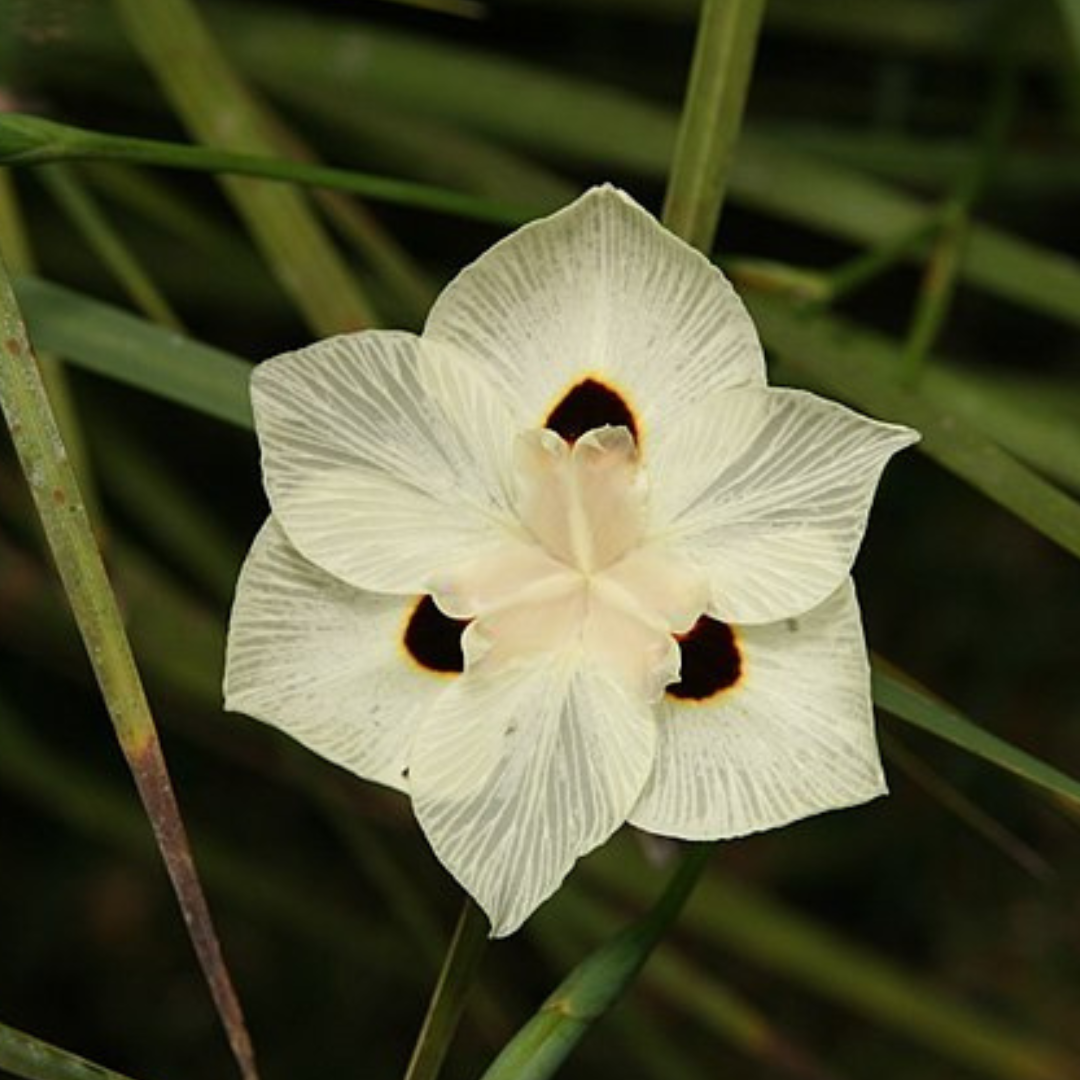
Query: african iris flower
(564, 561)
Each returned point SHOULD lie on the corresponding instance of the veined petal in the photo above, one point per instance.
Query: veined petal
(384, 458)
(793, 737)
(323, 662)
(599, 290)
(767, 491)
(515, 777)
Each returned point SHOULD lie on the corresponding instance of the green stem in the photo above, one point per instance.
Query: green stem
(595, 985)
(108, 245)
(456, 979)
(711, 117)
(15, 249)
(63, 515)
(31, 140)
(863, 268)
(24, 1056)
(942, 272)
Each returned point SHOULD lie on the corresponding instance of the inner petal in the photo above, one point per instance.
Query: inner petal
(584, 504)
(576, 579)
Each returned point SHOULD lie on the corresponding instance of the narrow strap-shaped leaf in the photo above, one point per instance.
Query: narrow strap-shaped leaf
(905, 699)
(30, 1058)
(1027, 413)
(111, 342)
(67, 528)
(33, 140)
(747, 921)
(586, 994)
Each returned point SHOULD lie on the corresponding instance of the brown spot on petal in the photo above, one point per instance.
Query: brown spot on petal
(433, 639)
(590, 404)
(711, 661)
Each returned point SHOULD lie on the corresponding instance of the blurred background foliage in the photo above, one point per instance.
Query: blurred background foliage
(902, 216)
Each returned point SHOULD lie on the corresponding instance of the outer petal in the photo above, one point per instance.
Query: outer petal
(768, 491)
(324, 662)
(793, 738)
(599, 289)
(383, 458)
(515, 777)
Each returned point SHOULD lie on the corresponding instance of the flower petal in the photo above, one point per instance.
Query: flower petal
(793, 737)
(384, 458)
(516, 776)
(599, 289)
(324, 662)
(768, 491)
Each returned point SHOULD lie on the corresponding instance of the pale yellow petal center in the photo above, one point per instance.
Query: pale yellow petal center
(579, 577)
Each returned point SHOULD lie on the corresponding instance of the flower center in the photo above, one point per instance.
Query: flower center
(584, 504)
(579, 578)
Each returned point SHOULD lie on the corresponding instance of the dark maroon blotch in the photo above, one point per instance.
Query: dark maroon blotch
(434, 639)
(590, 405)
(711, 660)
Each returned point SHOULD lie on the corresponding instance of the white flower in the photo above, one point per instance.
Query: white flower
(564, 561)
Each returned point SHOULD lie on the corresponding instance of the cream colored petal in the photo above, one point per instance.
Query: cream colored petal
(515, 777)
(767, 491)
(323, 662)
(658, 583)
(583, 504)
(384, 459)
(793, 738)
(599, 289)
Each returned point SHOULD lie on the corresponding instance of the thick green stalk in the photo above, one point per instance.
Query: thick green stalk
(15, 249)
(456, 979)
(711, 117)
(56, 494)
